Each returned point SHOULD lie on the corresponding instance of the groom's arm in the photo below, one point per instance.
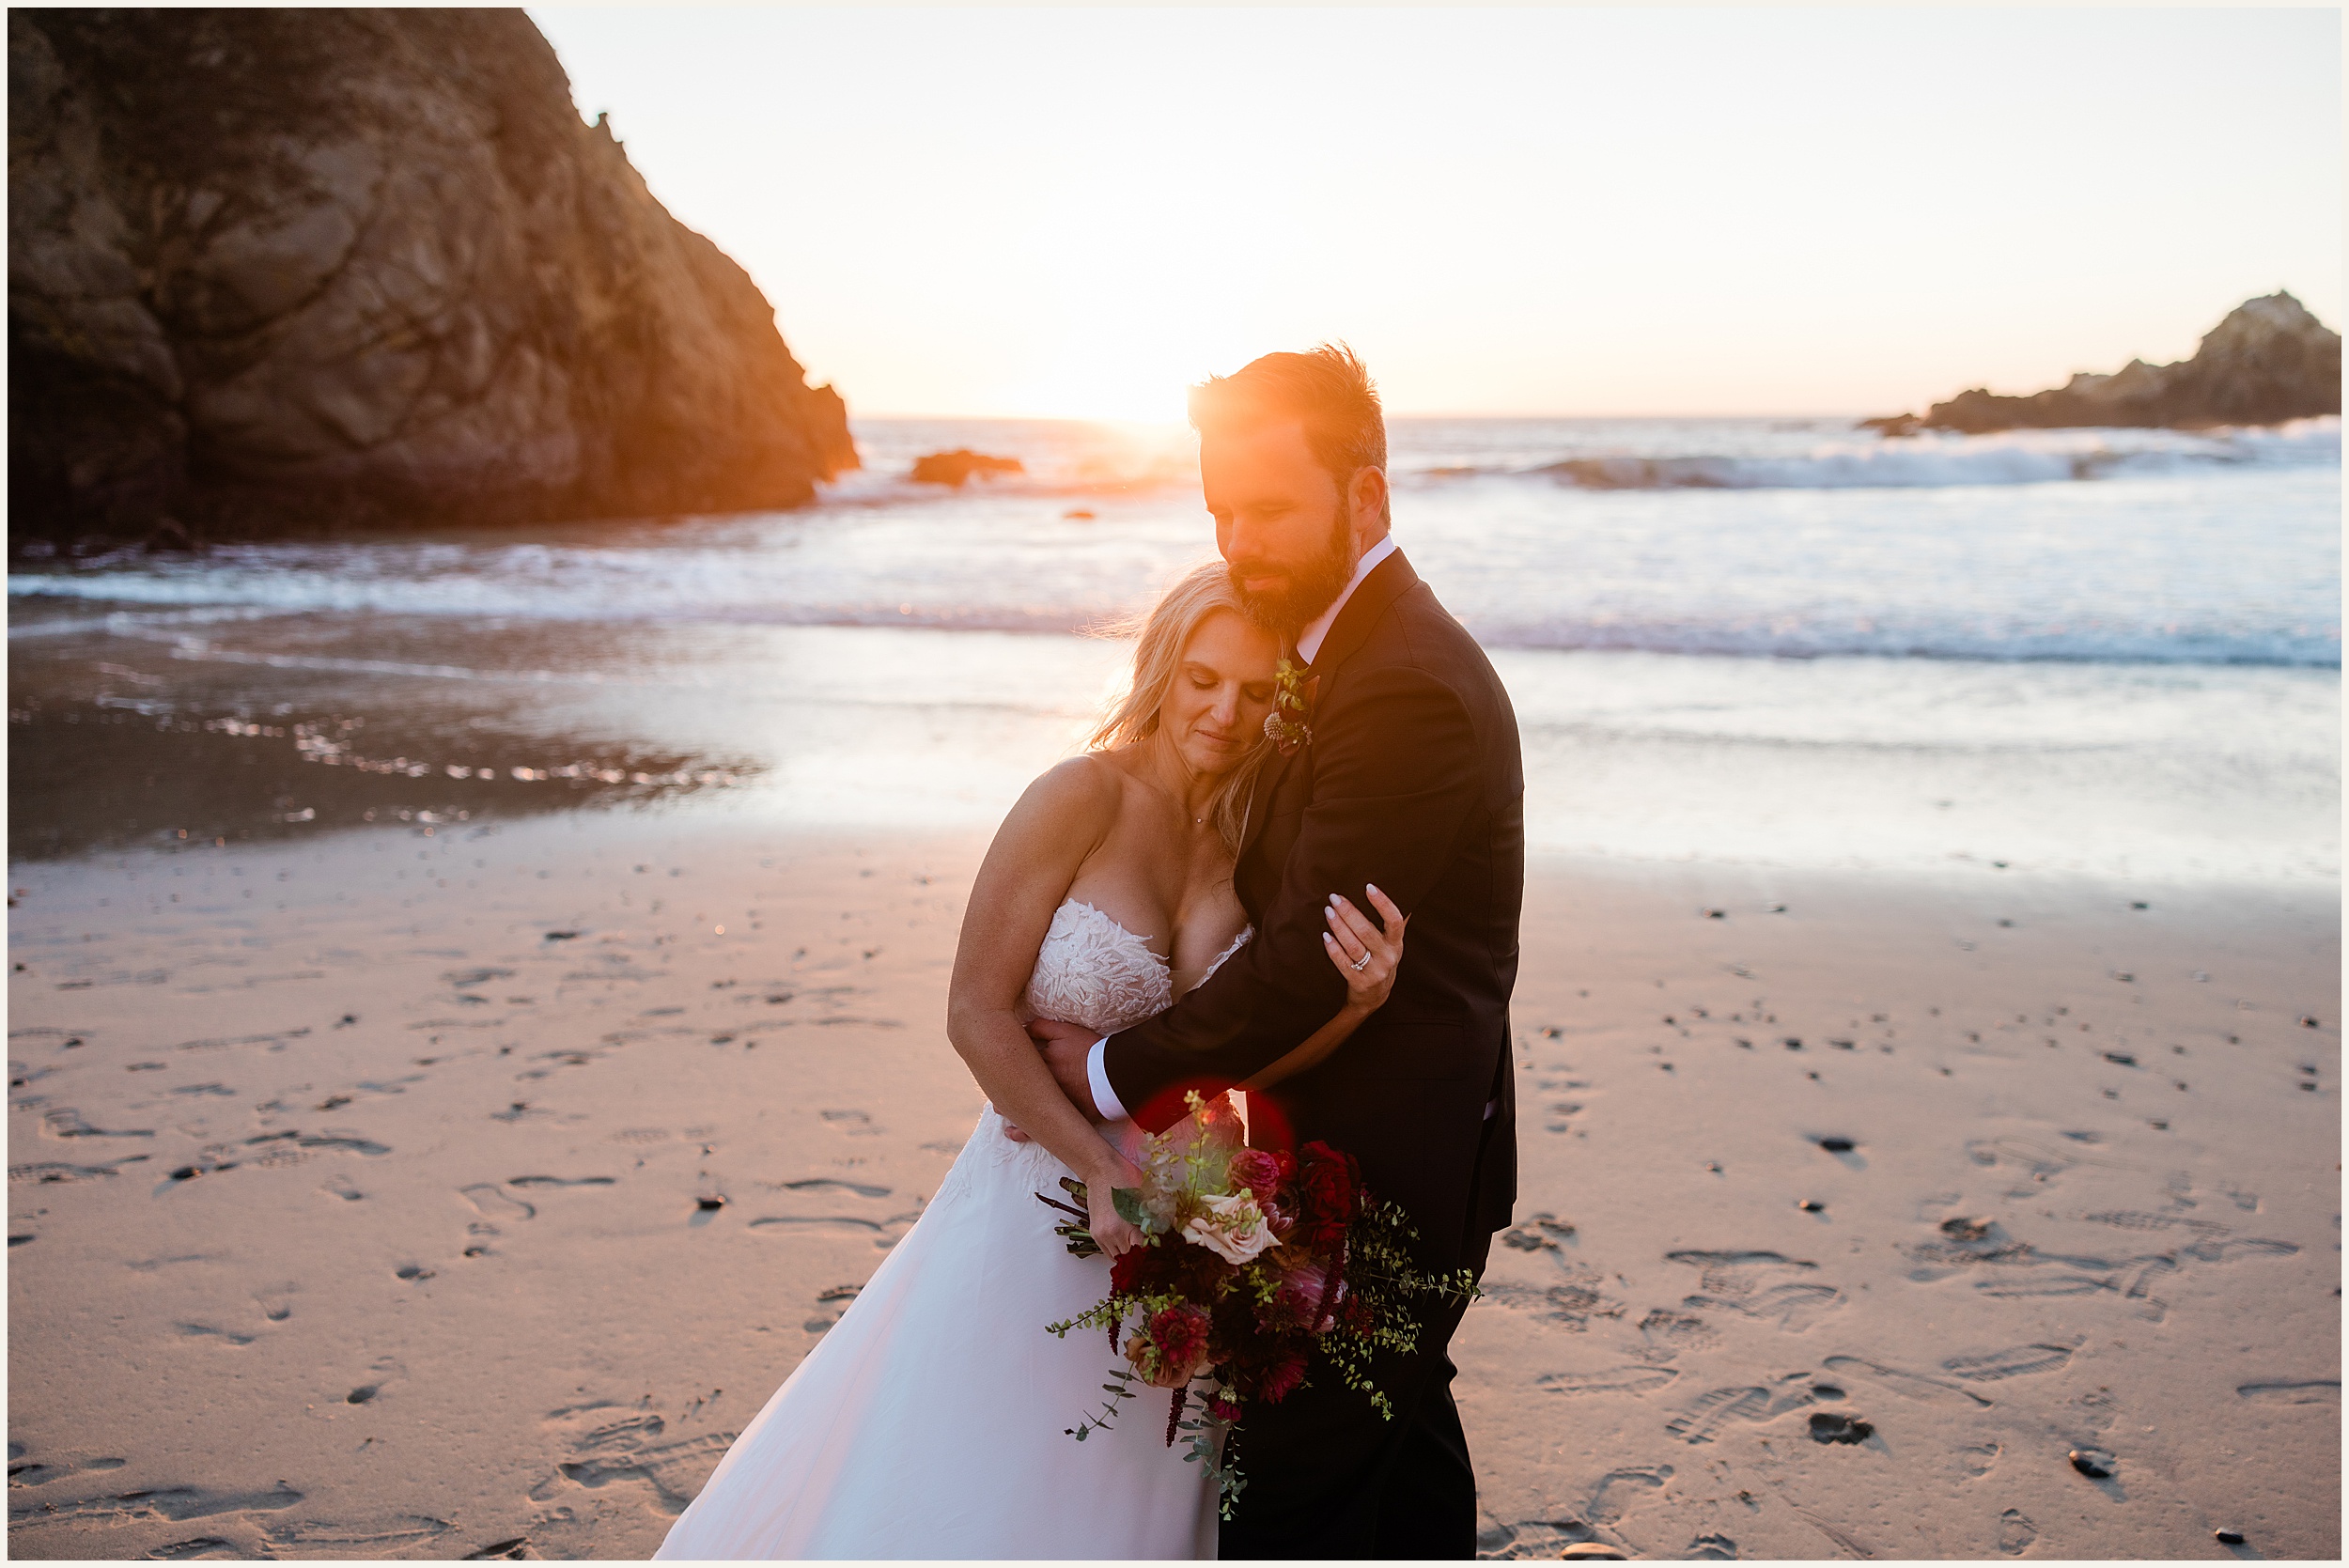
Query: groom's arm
(1396, 775)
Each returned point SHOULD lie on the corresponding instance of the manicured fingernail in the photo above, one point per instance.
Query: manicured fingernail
(1372, 887)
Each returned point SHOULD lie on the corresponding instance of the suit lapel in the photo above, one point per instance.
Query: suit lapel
(1389, 580)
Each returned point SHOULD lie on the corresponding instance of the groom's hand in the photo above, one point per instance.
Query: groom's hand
(1065, 1047)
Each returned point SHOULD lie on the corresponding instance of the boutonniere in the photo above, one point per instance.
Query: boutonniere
(1290, 724)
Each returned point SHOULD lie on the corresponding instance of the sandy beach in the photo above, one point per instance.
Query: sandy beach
(459, 1190)
(543, 544)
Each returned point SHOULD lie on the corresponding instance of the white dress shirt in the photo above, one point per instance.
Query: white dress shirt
(1309, 642)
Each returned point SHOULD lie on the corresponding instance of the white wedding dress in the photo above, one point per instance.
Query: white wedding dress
(932, 1421)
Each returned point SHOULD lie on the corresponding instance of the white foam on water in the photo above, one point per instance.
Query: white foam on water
(1754, 538)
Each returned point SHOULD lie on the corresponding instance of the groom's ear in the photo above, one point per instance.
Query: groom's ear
(1367, 502)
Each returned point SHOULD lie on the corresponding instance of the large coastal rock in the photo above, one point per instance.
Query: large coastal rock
(2268, 361)
(296, 272)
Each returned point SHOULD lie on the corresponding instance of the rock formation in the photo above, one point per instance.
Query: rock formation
(297, 271)
(959, 466)
(2268, 361)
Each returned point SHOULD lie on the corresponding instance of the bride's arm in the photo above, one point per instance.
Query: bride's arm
(1028, 871)
(1350, 936)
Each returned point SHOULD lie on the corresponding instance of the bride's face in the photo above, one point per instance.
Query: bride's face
(1215, 710)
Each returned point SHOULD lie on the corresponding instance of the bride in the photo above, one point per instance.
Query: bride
(931, 1421)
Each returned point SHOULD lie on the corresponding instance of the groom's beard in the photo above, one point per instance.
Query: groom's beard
(1304, 591)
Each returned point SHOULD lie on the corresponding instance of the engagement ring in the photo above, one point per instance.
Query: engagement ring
(1360, 962)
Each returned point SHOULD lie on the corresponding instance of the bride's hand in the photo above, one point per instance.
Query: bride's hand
(1111, 1232)
(1366, 955)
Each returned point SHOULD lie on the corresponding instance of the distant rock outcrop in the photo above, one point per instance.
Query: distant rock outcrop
(2268, 361)
(294, 271)
(960, 466)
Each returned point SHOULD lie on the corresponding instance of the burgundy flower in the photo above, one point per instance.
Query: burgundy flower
(1172, 1348)
(1331, 1179)
(1260, 1172)
(1219, 1408)
(1281, 1378)
(1125, 1269)
(1330, 1191)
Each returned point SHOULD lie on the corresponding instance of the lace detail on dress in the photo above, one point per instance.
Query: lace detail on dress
(1090, 971)
(1094, 971)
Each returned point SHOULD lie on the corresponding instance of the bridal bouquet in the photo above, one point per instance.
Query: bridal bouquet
(1253, 1260)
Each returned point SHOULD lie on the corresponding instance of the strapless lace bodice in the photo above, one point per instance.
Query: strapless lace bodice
(1094, 971)
(1089, 970)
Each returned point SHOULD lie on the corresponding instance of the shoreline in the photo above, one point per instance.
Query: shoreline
(437, 1278)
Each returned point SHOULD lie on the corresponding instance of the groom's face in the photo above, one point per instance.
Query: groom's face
(1281, 521)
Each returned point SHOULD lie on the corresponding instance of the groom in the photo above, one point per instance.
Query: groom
(1407, 777)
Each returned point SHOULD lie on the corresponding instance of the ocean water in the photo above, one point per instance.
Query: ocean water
(1784, 642)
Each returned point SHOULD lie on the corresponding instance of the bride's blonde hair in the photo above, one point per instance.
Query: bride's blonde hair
(1163, 632)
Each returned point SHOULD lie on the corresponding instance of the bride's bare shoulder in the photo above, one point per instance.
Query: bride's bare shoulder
(1075, 795)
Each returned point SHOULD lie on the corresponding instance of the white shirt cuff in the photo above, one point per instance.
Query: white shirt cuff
(1098, 1078)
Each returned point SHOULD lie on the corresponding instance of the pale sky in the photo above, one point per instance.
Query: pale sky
(1077, 212)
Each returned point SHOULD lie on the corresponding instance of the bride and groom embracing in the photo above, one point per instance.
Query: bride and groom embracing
(1309, 741)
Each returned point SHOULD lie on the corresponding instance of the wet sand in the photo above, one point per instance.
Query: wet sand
(361, 1186)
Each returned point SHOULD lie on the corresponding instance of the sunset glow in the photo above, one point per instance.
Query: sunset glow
(1075, 211)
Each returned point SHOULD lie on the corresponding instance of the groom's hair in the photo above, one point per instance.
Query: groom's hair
(1328, 391)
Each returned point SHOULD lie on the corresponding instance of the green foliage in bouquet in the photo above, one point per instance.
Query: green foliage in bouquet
(1252, 1262)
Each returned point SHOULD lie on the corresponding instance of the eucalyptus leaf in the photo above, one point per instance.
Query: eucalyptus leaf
(1128, 1202)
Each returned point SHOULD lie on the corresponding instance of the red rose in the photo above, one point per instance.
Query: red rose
(1331, 1180)
(1258, 1172)
(1330, 1191)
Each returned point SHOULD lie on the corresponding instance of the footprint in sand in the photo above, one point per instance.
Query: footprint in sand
(491, 1202)
(218, 1336)
(1619, 1490)
(34, 1473)
(834, 1301)
(1668, 1334)
(406, 1529)
(1716, 1548)
(885, 1232)
(1573, 1303)
(2022, 1360)
(198, 1549)
(2322, 1390)
(1976, 1459)
(1621, 1380)
(176, 1503)
(2016, 1532)
(612, 1443)
(64, 1122)
(1755, 1284)
(1752, 1402)
(862, 1190)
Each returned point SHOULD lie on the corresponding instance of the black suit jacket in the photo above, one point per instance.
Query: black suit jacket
(1412, 780)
